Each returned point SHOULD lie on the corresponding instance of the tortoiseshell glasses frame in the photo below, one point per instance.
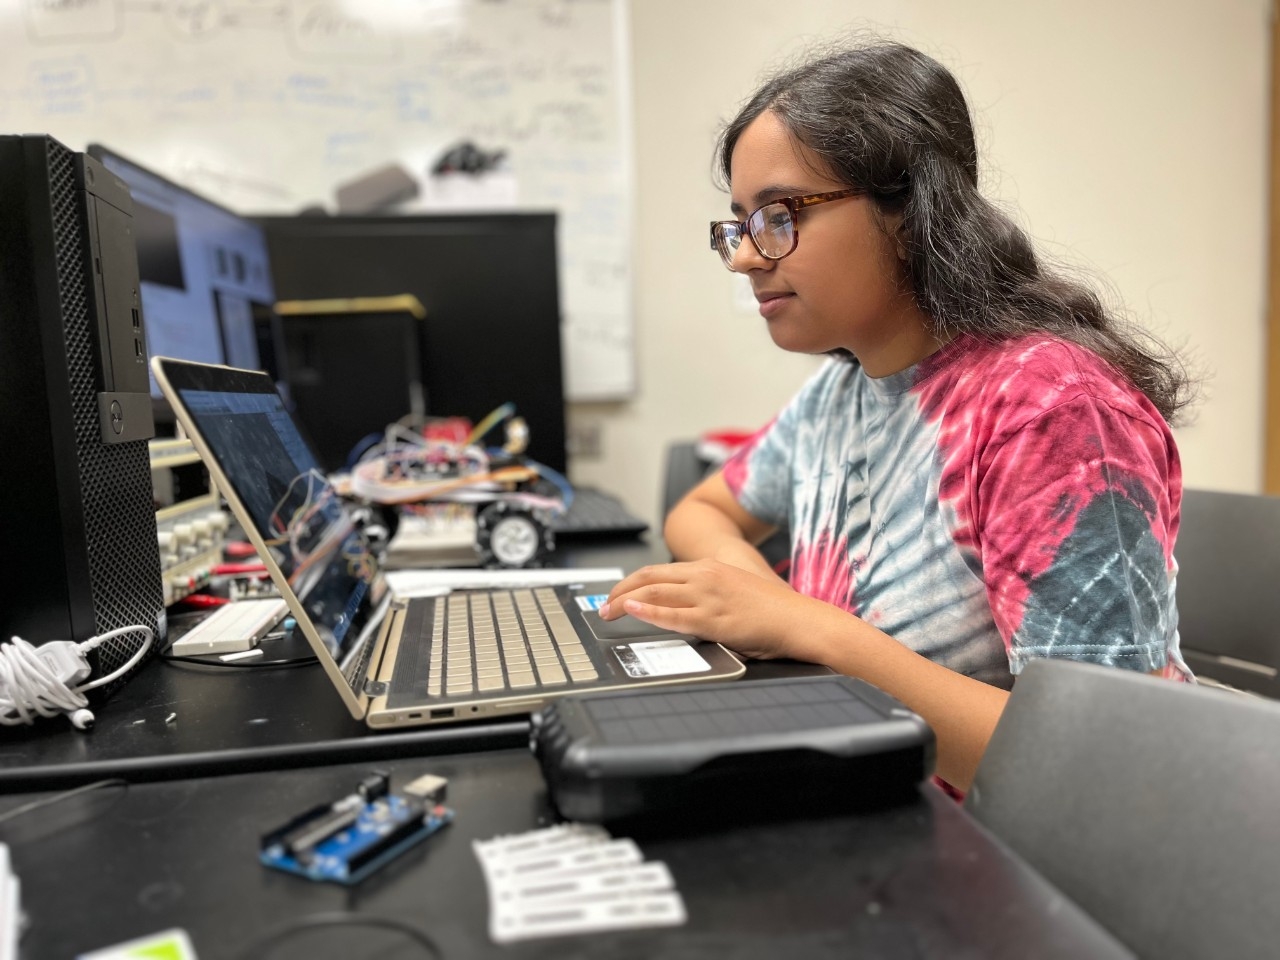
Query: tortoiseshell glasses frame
(774, 228)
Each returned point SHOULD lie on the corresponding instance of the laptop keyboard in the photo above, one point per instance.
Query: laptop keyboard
(504, 640)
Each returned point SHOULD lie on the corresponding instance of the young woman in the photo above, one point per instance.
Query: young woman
(981, 475)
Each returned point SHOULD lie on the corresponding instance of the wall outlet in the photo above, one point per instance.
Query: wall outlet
(586, 440)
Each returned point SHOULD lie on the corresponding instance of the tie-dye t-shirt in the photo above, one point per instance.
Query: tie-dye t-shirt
(995, 503)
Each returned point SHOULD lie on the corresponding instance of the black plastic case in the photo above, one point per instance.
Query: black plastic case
(754, 748)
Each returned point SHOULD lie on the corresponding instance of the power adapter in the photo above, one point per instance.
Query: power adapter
(68, 665)
(65, 661)
(51, 679)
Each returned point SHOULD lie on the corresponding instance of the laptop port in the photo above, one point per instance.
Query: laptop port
(444, 713)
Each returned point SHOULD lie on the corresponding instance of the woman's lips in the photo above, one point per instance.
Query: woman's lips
(771, 303)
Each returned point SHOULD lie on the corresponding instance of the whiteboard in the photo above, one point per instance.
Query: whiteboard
(268, 105)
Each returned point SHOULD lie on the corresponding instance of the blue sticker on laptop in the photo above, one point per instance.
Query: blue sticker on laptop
(593, 602)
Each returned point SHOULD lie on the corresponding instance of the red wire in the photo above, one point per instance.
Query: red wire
(204, 600)
(222, 568)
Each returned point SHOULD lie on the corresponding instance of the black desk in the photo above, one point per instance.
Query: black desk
(919, 880)
(247, 749)
(228, 720)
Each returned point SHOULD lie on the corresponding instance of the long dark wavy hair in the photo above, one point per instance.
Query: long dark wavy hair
(893, 122)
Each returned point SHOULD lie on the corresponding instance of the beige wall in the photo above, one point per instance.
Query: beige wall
(1129, 138)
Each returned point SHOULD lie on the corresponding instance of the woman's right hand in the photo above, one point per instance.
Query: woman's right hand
(739, 553)
(713, 600)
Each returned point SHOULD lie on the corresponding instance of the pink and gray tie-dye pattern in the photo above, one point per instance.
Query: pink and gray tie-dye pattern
(995, 503)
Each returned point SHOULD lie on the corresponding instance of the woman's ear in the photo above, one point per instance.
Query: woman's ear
(893, 226)
(900, 239)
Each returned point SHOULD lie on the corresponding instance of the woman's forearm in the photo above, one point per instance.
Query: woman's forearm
(961, 711)
(695, 530)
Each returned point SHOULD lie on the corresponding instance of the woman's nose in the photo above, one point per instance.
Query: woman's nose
(747, 257)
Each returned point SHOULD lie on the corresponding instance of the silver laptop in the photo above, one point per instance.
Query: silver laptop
(405, 662)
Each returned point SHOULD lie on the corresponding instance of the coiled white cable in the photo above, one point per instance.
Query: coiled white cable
(44, 681)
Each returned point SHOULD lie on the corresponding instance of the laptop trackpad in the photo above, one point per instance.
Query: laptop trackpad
(624, 628)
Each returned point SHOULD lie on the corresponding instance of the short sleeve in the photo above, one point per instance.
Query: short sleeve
(1077, 514)
(760, 473)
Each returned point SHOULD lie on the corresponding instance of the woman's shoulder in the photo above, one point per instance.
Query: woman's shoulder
(1042, 369)
(1032, 354)
(1010, 383)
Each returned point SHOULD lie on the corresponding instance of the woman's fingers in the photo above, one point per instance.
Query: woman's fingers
(667, 618)
(661, 573)
(654, 594)
(712, 600)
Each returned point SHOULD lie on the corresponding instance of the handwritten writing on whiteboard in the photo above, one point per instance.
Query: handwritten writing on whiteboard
(268, 105)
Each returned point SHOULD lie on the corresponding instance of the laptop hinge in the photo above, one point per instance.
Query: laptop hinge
(379, 688)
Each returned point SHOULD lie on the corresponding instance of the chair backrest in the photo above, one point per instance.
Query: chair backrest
(685, 469)
(1228, 553)
(1154, 805)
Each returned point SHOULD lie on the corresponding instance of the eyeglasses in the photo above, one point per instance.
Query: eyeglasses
(772, 228)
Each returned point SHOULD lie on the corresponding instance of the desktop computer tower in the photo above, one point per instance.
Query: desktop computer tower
(78, 548)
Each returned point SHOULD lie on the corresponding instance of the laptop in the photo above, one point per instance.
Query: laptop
(401, 662)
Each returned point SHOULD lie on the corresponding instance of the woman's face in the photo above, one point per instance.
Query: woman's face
(844, 285)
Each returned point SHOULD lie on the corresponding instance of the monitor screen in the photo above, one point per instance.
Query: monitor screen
(489, 284)
(205, 277)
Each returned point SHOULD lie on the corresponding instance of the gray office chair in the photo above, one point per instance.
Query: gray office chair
(1228, 553)
(684, 470)
(1151, 804)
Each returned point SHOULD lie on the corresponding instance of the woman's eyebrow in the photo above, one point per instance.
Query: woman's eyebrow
(767, 195)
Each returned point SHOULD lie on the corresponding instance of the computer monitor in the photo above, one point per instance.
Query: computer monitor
(488, 283)
(206, 285)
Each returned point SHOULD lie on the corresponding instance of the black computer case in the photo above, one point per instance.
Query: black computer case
(78, 550)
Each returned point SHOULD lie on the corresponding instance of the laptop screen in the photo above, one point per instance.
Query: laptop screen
(308, 529)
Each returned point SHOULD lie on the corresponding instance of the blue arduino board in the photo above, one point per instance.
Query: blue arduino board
(346, 841)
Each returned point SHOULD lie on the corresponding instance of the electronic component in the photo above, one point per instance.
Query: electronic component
(345, 841)
(374, 787)
(428, 788)
(191, 526)
(232, 627)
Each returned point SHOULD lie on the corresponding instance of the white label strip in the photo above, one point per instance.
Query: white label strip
(538, 842)
(558, 919)
(613, 853)
(647, 877)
